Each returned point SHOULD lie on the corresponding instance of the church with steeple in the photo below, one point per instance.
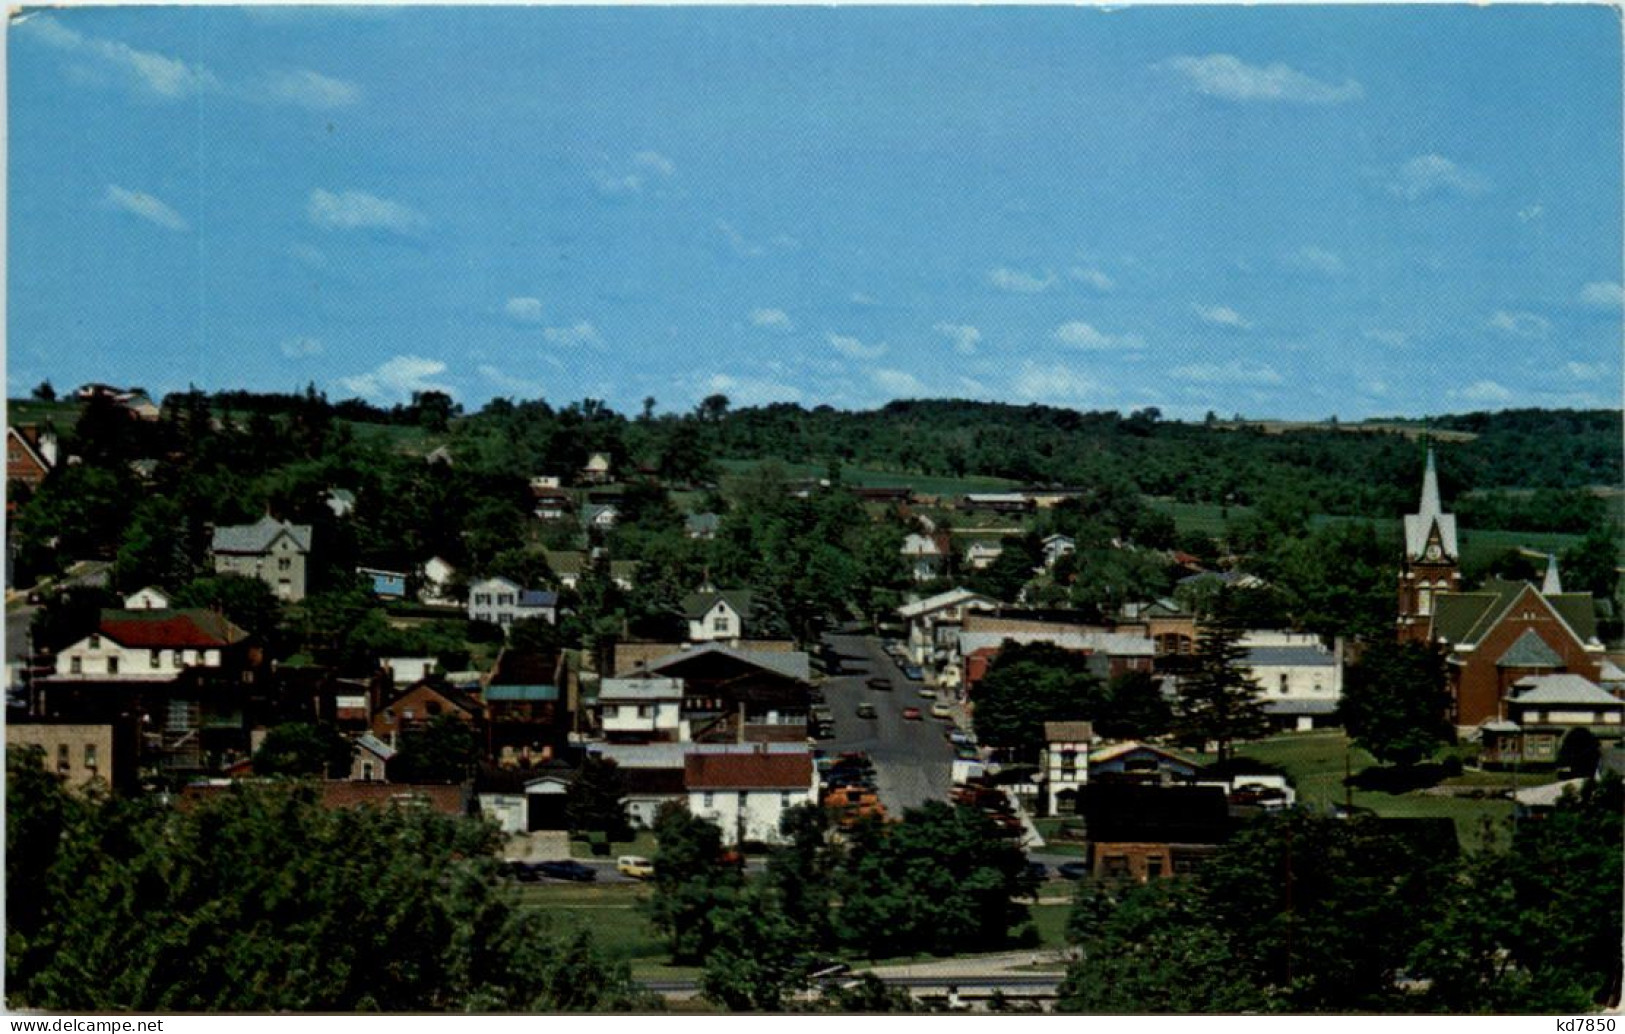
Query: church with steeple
(1432, 565)
(1497, 638)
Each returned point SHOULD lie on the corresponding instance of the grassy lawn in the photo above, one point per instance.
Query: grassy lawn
(864, 477)
(1051, 923)
(1207, 518)
(1315, 763)
(642, 843)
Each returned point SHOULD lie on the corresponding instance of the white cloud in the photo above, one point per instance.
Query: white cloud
(655, 162)
(852, 348)
(150, 73)
(517, 386)
(1235, 371)
(1316, 260)
(1525, 325)
(1603, 294)
(964, 336)
(1431, 175)
(1531, 213)
(524, 310)
(898, 384)
(1085, 337)
(772, 319)
(1482, 391)
(1221, 316)
(751, 391)
(147, 207)
(301, 347)
(620, 186)
(1391, 338)
(1052, 382)
(581, 333)
(1375, 388)
(396, 379)
(867, 301)
(306, 89)
(1093, 277)
(355, 210)
(1006, 279)
(1586, 371)
(1228, 77)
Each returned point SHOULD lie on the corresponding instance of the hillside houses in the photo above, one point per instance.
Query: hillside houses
(275, 552)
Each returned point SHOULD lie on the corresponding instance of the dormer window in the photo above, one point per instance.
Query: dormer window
(95, 642)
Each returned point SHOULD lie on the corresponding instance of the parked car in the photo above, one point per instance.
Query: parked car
(524, 872)
(567, 870)
(911, 713)
(635, 866)
(913, 672)
(878, 682)
(943, 711)
(960, 738)
(867, 711)
(926, 693)
(1072, 870)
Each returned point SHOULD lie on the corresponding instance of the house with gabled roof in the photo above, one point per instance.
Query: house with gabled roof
(934, 623)
(531, 703)
(273, 551)
(419, 705)
(702, 525)
(31, 453)
(718, 616)
(502, 601)
(1539, 711)
(371, 760)
(149, 645)
(740, 696)
(927, 555)
(747, 794)
(149, 598)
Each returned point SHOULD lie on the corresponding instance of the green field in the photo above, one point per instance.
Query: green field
(1315, 761)
(863, 477)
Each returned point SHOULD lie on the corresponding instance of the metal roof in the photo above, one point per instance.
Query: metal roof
(257, 537)
(517, 694)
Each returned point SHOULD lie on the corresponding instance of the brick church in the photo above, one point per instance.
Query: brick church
(1496, 636)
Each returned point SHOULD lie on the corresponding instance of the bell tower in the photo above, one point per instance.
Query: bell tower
(1431, 565)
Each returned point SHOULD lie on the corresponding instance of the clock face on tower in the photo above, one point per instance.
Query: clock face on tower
(1433, 551)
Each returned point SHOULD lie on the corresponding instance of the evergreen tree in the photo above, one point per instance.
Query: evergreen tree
(1219, 701)
(595, 800)
(1395, 702)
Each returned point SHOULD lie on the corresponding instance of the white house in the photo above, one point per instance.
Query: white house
(1066, 763)
(979, 556)
(149, 645)
(598, 469)
(273, 551)
(602, 516)
(1299, 678)
(933, 623)
(503, 602)
(1057, 546)
(747, 794)
(406, 671)
(926, 554)
(643, 708)
(715, 616)
(147, 599)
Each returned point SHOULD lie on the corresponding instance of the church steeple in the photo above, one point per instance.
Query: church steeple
(1429, 568)
(1552, 585)
(1430, 506)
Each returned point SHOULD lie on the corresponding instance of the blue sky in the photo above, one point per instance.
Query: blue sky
(1287, 212)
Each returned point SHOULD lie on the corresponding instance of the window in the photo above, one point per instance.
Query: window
(646, 711)
(1069, 762)
(1153, 867)
(366, 771)
(407, 715)
(63, 763)
(784, 800)
(180, 658)
(76, 665)
(155, 658)
(112, 665)
(1283, 683)
(90, 756)
(719, 623)
(284, 564)
(95, 642)
(710, 800)
(432, 708)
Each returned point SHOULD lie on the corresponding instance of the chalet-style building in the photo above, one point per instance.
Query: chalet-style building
(640, 709)
(934, 623)
(273, 551)
(149, 598)
(734, 696)
(927, 555)
(1432, 560)
(1065, 764)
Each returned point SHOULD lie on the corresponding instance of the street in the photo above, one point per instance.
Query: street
(913, 760)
